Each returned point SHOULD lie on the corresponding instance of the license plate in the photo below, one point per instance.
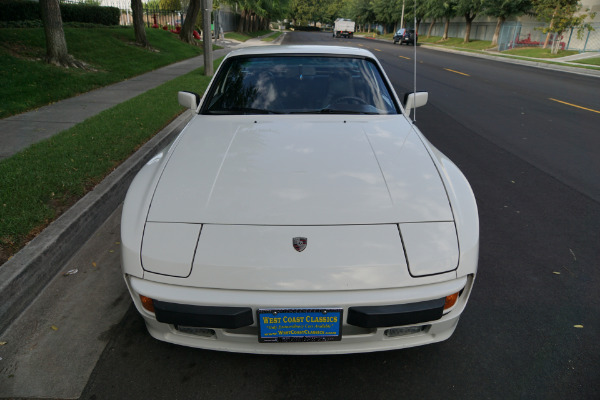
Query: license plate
(299, 325)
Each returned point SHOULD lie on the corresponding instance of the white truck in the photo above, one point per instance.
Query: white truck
(343, 27)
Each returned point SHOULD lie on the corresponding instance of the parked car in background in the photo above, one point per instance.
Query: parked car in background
(407, 36)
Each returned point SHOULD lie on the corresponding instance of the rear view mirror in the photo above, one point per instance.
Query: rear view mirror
(414, 100)
(189, 100)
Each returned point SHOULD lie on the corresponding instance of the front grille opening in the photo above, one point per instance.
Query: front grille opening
(192, 330)
(405, 331)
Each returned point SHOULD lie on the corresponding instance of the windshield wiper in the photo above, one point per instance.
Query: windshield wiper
(250, 110)
(332, 111)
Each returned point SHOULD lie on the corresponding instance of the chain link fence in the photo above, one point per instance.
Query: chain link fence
(515, 35)
(479, 30)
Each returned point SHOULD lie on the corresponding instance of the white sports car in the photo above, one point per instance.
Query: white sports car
(300, 212)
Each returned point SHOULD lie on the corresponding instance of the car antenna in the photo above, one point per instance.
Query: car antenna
(415, 57)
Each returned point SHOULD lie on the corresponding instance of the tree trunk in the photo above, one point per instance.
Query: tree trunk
(497, 31)
(430, 28)
(556, 42)
(418, 26)
(187, 30)
(550, 27)
(446, 28)
(242, 21)
(137, 12)
(469, 19)
(248, 22)
(56, 44)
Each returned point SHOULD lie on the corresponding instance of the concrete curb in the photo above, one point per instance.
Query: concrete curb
(25, 275)
(509, 60)
(535, 64)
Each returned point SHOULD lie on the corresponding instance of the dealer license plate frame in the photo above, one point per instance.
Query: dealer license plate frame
(271, 332)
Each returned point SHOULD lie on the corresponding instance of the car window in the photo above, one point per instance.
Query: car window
(299, 84)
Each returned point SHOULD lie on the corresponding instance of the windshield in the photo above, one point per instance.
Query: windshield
(299, 84)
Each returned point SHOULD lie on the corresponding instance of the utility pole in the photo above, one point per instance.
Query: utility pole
(206, 42)
(402, 18)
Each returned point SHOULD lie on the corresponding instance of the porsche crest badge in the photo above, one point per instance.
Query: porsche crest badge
(299, 243)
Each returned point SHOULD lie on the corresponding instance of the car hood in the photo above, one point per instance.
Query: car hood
(299, 170)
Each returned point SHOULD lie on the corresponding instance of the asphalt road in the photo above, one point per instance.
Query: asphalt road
(531, 163)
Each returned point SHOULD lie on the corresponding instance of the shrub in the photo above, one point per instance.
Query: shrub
(90, 13)
(19, 10)
(307, 28)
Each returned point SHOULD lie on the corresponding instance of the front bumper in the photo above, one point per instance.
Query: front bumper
(357, 337)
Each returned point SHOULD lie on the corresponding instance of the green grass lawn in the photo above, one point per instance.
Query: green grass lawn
(242, 37)
(49, 177)
(457, 42)
(538, 52)
(27, 82)
(589, 61)
(272, 37)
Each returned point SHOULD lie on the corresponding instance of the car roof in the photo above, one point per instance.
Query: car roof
(301, 49)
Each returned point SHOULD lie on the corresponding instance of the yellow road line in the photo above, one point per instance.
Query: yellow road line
(456, 72)
(404, 57)
(574, 105)
(377, 50)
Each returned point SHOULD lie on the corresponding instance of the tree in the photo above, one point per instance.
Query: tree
(152, 5)
(387, 12)
(137, 12)
(171, 5)
(337, 9)
(307, 11)
(561, 15)
(257, 14)
(448, 11)
(433, 9)
(469, 9)
(419, 9)
(363, 13)
(502, 9)
(56, 44)
(187, 30)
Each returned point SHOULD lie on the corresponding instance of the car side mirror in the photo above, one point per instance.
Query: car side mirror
(414, 100)
(189, 100)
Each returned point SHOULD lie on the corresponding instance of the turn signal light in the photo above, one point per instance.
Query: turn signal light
(450, 301)
(148, 303)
